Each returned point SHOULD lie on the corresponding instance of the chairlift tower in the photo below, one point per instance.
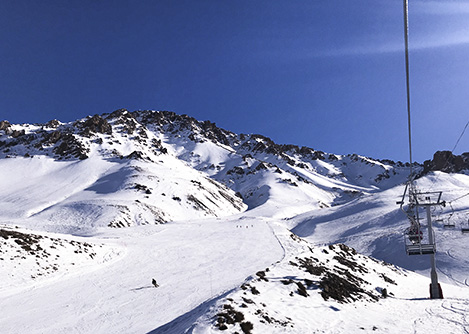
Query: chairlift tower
(416, 242)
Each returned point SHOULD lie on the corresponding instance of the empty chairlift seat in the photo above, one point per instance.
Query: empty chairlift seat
(420, 249)
(448, 224)
(465, 228)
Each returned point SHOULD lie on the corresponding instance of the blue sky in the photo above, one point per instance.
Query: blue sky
(325, 74)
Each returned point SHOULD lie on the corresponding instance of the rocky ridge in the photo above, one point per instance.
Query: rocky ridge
(446, 161)
(241, 162)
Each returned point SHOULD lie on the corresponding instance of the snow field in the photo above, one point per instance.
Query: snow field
(272, 302)
(28, 259)
(192, 262)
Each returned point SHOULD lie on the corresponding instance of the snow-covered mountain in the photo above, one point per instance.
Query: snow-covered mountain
(149, 166)
(92, 210)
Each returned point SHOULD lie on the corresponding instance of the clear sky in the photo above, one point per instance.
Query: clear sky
(325, 74)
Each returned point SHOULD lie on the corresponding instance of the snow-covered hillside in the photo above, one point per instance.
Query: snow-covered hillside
(95, 172)
(332, 289)
(148, 164)
(242, 234)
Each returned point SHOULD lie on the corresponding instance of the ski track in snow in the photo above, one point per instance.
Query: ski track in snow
(451, 311)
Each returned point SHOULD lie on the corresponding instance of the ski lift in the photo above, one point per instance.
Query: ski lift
(416, 242)
(448, 223)
(439, 220)
(465, 228)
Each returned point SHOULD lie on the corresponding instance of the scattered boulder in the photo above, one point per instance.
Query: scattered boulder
(137, 155)
(229, 316)
(261, 275)
(301, 289)
(143, 188)
(159, 146)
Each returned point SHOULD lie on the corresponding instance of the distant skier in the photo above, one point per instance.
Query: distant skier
(153, 281)
(384, 293)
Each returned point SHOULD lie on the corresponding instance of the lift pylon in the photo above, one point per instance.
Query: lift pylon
(416, 242)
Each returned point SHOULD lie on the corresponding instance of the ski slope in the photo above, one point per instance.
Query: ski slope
(201, 264)
(192, 262)
(206, 212)
(280, 307)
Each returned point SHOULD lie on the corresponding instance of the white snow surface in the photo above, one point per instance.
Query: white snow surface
(81, 240)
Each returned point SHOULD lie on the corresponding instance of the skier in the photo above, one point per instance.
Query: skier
(153, 281)
(415, 234)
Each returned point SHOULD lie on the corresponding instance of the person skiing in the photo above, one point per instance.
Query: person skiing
(153, 281)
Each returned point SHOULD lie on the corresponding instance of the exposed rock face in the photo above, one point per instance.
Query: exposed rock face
(71, 147)
(53, 137)
(125, 118)
(53, 124)
(447, 162)
(4, 125)
(96, 124)
(17, 133)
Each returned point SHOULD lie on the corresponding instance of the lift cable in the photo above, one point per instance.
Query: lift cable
(407, 72)
(462, 133)
(458, 198)
(447, 159)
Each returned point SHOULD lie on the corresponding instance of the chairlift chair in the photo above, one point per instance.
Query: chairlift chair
(465, 228)
(416, 243)
(449, 224)
(437, 217)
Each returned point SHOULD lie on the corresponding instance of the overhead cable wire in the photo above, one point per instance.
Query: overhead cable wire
(407, 72)
(458, 198)
(449, 156)
(462, 134)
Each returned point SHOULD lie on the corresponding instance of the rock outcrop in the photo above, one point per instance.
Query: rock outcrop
(446, 161)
